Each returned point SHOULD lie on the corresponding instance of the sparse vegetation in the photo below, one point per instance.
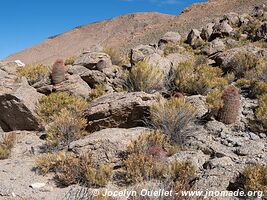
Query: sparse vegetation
(143, 77)
(50, 106)
(214, 101)
(33, 72)
(72, 169)
(116, 57)
(70, 60)
(197, 80)
(7, 143)
(98, 91)
(171, 116)
(261, 112)
(256, 178)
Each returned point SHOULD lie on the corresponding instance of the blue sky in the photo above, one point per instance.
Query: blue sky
(25, 23)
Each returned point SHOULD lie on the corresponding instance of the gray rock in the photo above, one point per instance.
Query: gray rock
(221, 30)
(74, 85)
(108, 145)
(262, 32)
(140, 52)
(197, 158)
(94, 60)
(219, 162)
(160, 62)
(199, 102)
(213, 47)
(169, 37)
(232, 18)
(17, 105)
(11, 67)
(250, 147)
(123, 110)
(207, 31)
(194, 39)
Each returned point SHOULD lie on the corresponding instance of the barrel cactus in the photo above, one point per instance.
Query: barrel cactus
(58, 72)
(228, 113)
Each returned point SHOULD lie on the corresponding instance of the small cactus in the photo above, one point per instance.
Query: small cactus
(58, 72)
(231, 105)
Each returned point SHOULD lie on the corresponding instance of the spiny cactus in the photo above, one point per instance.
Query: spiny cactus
(231, 105)
(58, 72)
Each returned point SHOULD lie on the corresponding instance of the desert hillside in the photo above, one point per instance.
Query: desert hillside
(128, 31)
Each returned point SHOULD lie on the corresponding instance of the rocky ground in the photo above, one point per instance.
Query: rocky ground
(218, 151)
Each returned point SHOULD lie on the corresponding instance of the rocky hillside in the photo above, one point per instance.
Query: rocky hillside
(183, 114)
(127, 31)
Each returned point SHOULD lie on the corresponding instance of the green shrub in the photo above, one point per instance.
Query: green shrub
(33, 72)
(171, 116)
(256, 178)
(251, 27)
(7, 143)
(197, 80)
(143, 77)
(214, 101)
(50, 106)
(171, 48)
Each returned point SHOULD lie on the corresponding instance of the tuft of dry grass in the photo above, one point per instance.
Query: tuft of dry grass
(7, 143)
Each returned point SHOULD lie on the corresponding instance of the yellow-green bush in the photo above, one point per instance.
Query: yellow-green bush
(197, 79)
(172, 48)
(144, 77)
(256, 178)
(250, 27)
(171, 116)
(33, 72)
(70, 60)
(7, 143)
(261, 112)
(50, 106)
(214, 100)
(65, 128)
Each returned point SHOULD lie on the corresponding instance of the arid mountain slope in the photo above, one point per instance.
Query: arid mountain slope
(129, 30)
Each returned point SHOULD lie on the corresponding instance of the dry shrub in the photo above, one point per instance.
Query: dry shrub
(7, 143)
(142, 167)
(251, 27)
(153, 143)
(171, 48)
(49, 162)
(199, 79)
(65, 128)
(33, 72)
(256, 178)
(171, 117)
(50, 106)
(71, 169)
(144, 77)
(116, 57)
(70, 60)
(242, 63)
(261, 112)
(214, 101)
(97, 91)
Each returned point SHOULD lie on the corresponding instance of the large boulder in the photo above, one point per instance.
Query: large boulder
(94, 60)
(207, 31)
(213, 47)
(108, 145)
(140, 52)
(221, 30)
(123, 110)
(160, 62)
(232, 19)
(194, 39)
(11, 67)
(262, 32)
(17, 104)
(169, 37)
(74, 85)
